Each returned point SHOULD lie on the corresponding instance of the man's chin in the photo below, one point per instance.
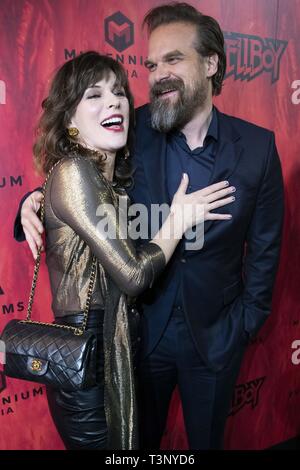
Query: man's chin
(162, 126)
(166, 100)
(160, 110)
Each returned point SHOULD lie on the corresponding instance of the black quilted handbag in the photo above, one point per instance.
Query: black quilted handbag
(58, 355)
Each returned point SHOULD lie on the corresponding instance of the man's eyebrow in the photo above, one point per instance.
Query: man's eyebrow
(176, 53)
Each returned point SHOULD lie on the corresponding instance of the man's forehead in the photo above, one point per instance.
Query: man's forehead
(171, 30)
(170, 37)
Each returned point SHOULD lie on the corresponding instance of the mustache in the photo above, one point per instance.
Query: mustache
(167, 85)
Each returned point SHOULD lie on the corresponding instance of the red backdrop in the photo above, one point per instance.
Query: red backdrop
(263, 86)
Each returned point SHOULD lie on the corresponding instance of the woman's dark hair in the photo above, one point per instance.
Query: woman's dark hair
(210, 37)
(66, 91)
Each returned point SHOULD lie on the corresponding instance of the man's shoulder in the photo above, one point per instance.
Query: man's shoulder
(144, 133)
(243, 127)
(143, 110)
(143, 115)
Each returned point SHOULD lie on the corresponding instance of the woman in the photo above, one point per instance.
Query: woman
(85, 127)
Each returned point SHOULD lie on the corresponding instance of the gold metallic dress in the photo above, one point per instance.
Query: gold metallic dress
(80, 207)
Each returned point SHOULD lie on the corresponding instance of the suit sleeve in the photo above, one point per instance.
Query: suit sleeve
(263, 244)
(19, 235)
(82, 200)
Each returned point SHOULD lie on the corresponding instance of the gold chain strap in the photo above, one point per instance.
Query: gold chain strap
(76, 331)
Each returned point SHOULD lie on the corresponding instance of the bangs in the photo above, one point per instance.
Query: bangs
(102, 70)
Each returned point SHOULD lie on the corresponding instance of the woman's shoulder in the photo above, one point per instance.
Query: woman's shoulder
(74, 163)
(76, 168)
(75, 179)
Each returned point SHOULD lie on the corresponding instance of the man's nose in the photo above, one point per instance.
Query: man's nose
(162, 72)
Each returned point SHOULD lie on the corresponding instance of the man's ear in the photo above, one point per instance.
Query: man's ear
(212, 62)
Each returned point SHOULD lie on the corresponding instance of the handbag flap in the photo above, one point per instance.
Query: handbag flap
(49, 343)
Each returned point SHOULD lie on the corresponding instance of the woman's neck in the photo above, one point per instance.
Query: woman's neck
(109, 166)
(105, 157)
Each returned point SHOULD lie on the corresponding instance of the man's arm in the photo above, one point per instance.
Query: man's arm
(263, 244)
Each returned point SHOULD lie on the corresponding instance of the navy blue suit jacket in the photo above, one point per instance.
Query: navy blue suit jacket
(227, 285)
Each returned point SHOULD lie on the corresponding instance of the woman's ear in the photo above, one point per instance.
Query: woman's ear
(71, 123)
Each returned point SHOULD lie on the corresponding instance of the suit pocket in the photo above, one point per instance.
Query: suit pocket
(232, 291)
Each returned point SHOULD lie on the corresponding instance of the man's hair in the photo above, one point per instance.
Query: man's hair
(210, 39)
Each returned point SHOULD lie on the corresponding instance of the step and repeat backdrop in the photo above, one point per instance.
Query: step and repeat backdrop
(262, 85)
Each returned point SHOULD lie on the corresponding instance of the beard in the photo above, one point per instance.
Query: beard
(168, 114)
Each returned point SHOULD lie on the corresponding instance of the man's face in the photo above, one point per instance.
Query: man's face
(178, 77)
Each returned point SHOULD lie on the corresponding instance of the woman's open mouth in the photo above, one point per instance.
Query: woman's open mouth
(113, 123)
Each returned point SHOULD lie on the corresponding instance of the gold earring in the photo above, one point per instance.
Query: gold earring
(73, 131)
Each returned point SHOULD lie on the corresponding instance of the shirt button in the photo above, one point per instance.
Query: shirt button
(183, 260)
(138, 339)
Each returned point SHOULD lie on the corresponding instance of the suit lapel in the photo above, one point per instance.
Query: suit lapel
(229, 151)
(154, 161)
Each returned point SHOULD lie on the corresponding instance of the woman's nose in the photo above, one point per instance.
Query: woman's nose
(114, 101)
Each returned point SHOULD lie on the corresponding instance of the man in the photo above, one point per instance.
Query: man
(198, 318)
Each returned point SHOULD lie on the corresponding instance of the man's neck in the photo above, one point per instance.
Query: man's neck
(196, 129)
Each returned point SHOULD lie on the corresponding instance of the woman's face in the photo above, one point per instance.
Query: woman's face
(102, 116)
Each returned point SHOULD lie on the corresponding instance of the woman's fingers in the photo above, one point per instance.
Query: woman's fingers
(207, 199)
(214, 187)
(183, 184)
(180, 195)
(220, 194)
(215, 205)
(210, 216)
(220, 203)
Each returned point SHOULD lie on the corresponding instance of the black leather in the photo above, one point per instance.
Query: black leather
(49, 355)
(79, 415)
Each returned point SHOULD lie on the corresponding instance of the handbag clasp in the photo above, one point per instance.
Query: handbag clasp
(36, 365)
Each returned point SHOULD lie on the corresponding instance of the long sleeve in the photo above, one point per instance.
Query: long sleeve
(263, 244)
(81, 198)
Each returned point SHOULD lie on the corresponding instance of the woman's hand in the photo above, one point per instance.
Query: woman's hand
(191, 209)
